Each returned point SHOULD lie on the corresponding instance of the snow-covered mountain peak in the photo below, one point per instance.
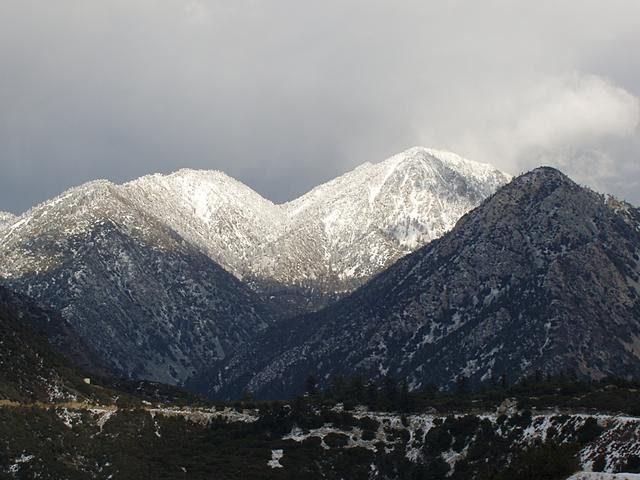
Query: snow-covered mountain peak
(413, 197)
(204, 192)
(342, 232)
(220, 215)
(415, 161)
(74, 202)
(435, 162)
(58, 222)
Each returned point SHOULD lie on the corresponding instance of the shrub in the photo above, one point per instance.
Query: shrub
(336, 440)
(589, 431)
(546, 462)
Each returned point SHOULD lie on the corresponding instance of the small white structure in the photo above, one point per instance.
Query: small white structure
(87, 380)
(276, 455)
(509, 406)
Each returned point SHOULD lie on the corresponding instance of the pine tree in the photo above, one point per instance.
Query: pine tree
(311, 385)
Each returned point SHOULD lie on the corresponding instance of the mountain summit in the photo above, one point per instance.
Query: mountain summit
(543, 277)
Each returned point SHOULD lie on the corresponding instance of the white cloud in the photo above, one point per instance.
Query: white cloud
(560, 111)
(551, 115)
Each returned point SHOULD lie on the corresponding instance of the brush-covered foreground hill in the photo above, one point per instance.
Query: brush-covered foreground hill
(53, 425)
(290, 441)
(543, 276)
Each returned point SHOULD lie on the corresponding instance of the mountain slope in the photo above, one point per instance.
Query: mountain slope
(211, 210)
(58, 331)
(544, 275)
(151, 305)
(29, 369)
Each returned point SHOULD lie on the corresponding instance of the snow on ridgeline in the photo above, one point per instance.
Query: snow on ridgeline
(369, 217)
(93, 249)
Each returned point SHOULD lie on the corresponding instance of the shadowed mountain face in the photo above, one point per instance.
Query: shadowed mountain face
(29, 368)
(59, 332)
(543, 276)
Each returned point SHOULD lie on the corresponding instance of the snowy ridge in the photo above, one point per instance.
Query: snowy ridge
(222, 216)
(366, 219)
(150, 304)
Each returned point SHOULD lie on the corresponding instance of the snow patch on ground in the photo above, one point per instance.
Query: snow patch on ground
(24, 458)
(604, 476)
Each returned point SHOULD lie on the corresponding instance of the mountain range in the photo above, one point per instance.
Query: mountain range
(167, 275)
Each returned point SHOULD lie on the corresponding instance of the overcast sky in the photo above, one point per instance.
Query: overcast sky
(284, 95)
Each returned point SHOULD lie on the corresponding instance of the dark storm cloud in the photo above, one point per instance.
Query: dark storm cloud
(286, 94)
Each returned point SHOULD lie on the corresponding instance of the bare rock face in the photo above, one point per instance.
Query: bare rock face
(543, 276)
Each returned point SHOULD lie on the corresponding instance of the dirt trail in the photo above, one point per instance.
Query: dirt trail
(46, 406)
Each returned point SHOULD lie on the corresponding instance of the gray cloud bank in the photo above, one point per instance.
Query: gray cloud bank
(286, 94)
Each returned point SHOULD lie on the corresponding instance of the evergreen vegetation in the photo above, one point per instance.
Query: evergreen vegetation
(564, 391)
